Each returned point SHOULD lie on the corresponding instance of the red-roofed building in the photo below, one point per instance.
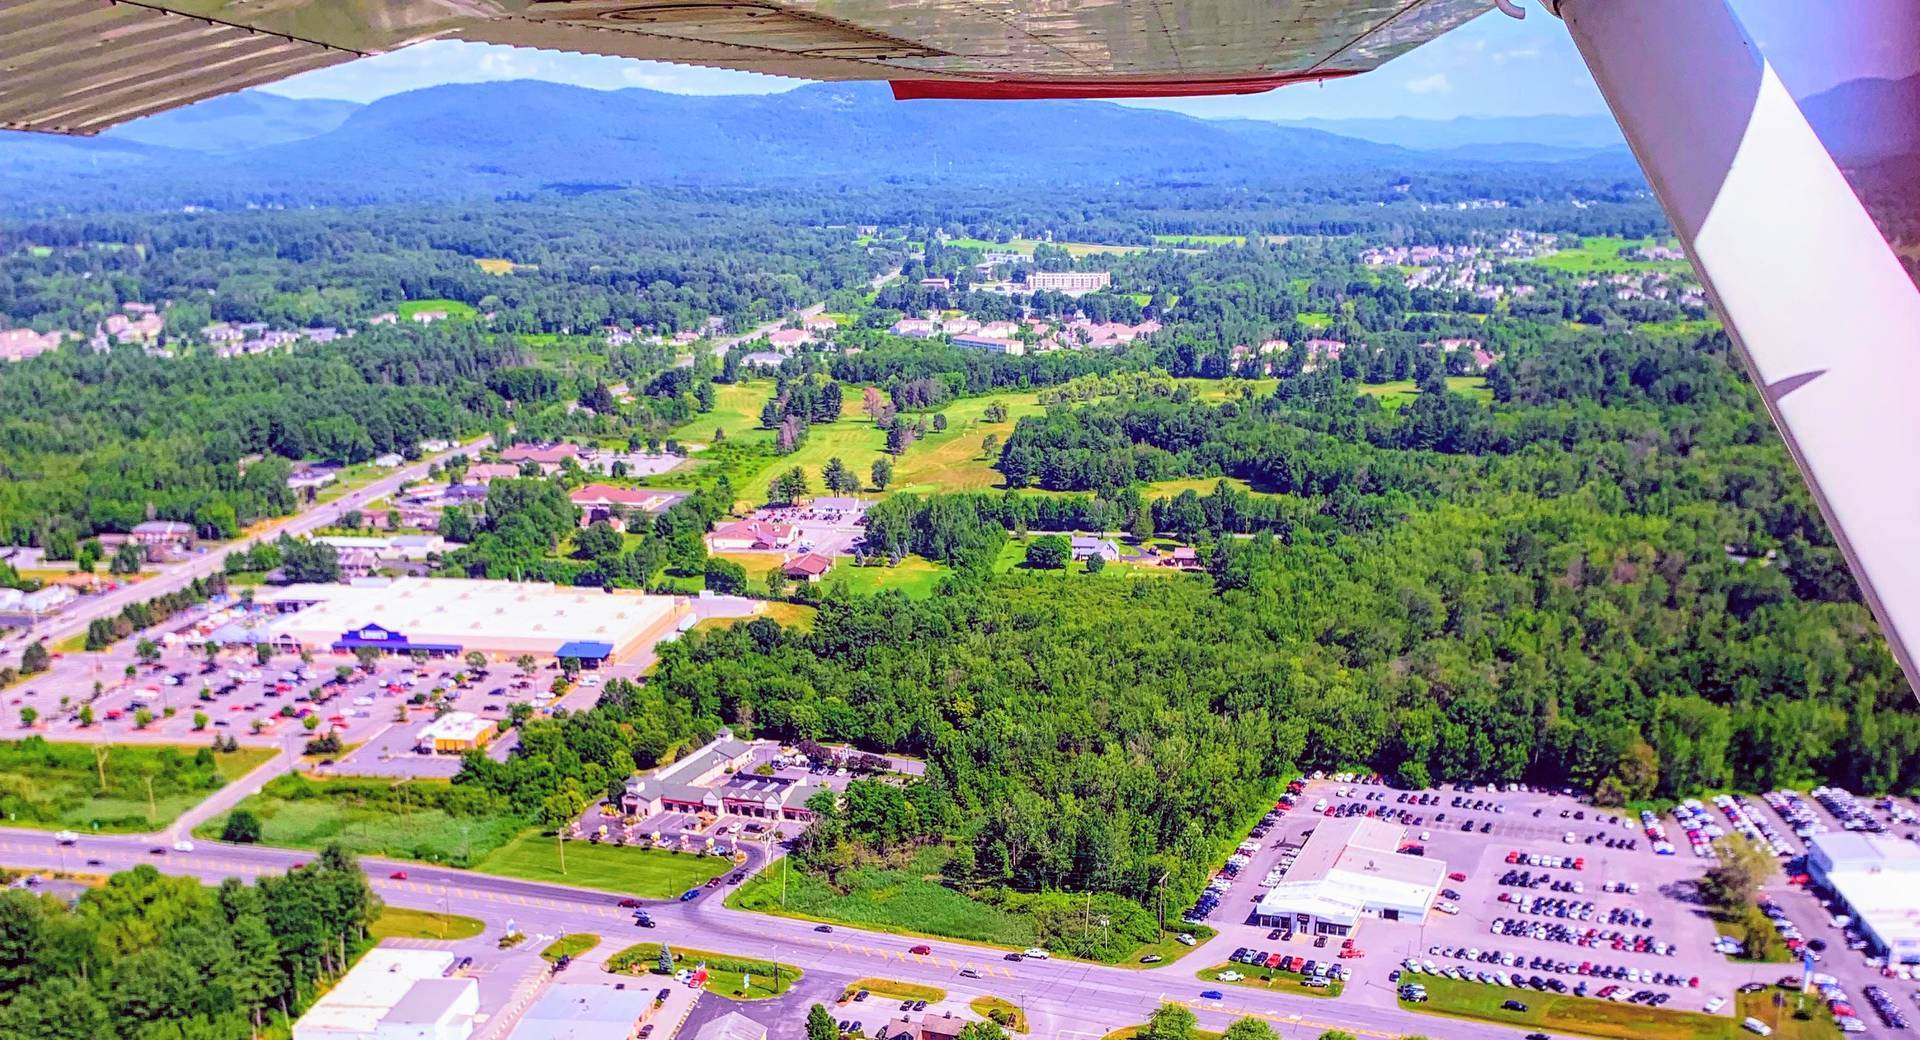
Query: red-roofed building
(750, 536)
(788, 339)
(810, 567)
(547, 456)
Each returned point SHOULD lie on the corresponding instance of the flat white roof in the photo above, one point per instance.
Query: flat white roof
(373, 988)
(1355, 864)
(455, 725)
(505, 616)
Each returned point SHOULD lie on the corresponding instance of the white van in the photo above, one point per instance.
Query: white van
(1757, 1027)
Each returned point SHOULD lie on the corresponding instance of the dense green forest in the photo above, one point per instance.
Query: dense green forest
(152, 957)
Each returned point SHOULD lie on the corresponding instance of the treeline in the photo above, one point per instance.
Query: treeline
(105, 631)
(519, 531)
(152, 957)
(99, 442)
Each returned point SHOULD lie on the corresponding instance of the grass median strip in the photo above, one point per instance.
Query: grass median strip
(895, 989)
(573, 944)
(728, 975)
(397, 922)
(1269, 979)
(1587, 1016)
(999, 1010)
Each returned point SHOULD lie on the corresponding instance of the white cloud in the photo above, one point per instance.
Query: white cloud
(1437, 83)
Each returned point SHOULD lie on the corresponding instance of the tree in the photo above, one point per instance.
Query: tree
(726, 577)
(142, 718)
(981, 1031)
(262, 652)
(34, 659)
(1736, 876)
(527, 664)
(310, 723)
(1169, 1022)
(820, 1024)
(476, 660)
(1762, 939)
(242, 827)
(28, 715)
(1096, 563)
(995, 412)
(147, 651)
(367, 656)
(86, 715)
(939, 422)
(882, 474)
(1049, 552)
(1250, 1029)
(1337, 1034)
(128, 559)
(200, 720)
(777, 582)
(665, 966)
(989, 445)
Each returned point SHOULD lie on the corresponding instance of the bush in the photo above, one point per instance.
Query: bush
(242, 828)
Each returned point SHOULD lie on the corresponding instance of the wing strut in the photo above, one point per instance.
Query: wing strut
(1813, 297)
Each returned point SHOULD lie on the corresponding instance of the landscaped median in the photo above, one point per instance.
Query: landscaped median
(571, 945)
(728, 975)
(1004, 1012)
(397, 922)
(1270, 979)
(894, 989)
(1587, 1016)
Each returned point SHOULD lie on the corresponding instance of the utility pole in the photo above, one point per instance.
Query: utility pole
(1161, 887)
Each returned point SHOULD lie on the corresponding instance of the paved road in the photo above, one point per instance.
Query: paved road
(178, 575)
(1064, 998)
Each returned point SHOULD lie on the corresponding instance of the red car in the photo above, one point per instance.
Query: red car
(398, 875)
(921, 950)
(1456, 876)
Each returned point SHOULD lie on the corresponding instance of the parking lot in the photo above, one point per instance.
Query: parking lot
(1626, 918)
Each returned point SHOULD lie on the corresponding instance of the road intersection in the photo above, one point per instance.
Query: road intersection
(1061, 997)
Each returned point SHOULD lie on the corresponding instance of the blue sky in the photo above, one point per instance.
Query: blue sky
(1494, 66)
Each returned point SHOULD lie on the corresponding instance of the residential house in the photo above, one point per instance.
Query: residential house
(750, 536)
(48, 599)
(820, 323)
(358, 563)
(607, 502)
(429, 317)
(161, 534)
(914, 328)
(312, 477)
(789, 339)
(1182, 557)
(21, 344)
(935, 282)
(548, 457)
(764, 359)
(487, 472)
(1087, 546)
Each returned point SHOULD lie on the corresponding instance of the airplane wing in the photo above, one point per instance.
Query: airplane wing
(81, 66)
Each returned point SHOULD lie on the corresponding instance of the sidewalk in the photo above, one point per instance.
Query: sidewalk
(229, 796)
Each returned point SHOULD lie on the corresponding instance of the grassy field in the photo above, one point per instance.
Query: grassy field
(454, 308)
(1602, 1018)
(371, 816)
(728, 975)
(60, 786)
(736, 410)
(1317, 321)
(1600, 254)
(1399, 394)
(1681, 326)
(1216, 390)
(649, 873)
(1025, 245)
(400, 923)
(895, 989)
(1197, 485)
(912, 575)
(500, 265)
(1273, 981)
(793, 615)
(1005, 1012)
(1202, 240)
(904, 900)
(572, 944)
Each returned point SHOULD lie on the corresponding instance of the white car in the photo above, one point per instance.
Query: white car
(1036, 953)
(66, 837)
(1229, 976)
(1184, 939)
(1716, 1004)
(183, 845)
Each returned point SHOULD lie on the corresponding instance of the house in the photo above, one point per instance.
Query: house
(395, 995)
(310, 477)
(358, 563)
(750, 536)
(820, 323)
(21, 344)
(388, 318)
(434, 445)
(932, 1027)
(606, 502)
(48, 600)
(914, 328)
(429, 317)
(789, 339)
(160, 534)
(548, 457)
(810, 567)
(1088, 546)
(1182, 557)
(935, 282)
(487, 472)
(10, 599)
(763, 359)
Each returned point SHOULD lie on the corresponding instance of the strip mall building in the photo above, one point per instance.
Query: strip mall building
(452, 616)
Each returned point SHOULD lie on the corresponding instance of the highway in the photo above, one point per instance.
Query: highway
(173, 576)
(1062, 998)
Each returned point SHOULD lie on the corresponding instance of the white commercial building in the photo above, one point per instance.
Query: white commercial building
(1878, 878)
(1349, 869)
(574, 1011)
(451, 616)
(395, 995)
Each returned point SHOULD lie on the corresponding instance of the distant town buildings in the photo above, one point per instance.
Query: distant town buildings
(1070, 282)
(21, 344)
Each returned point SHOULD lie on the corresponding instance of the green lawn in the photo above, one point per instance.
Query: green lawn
(649, 873)
(1682, 326)
(58, 786)
(397, 922)
(1399, 394)
(454, 308)
(1602, 1018)
(570, 945)
(736, 410)
(1276, 981)
(1317, 321)
(1202, 240)
(728, 975)
(1600, 254)
(895, 989)
(913, 575)
(422, 820)
(1202, 486)
(1733, 930)
(1005, 1012)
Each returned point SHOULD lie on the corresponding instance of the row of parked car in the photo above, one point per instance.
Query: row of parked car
(1303, 966)
(1590, 938)
(1518, 857)
(1582, 969)
(1884, 1006)
(1744, 819)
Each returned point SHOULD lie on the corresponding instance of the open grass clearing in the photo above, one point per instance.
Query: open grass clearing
(1397, 395)
(792, 615)
(895, 989)
(573, 944)
(645, 872)
(913, 575)
(403, 820)
(729, 975)
(1600, 254)
(453, 308)
(398, 922)
(111, 788)
(997, 1009)
(1556, 1013)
